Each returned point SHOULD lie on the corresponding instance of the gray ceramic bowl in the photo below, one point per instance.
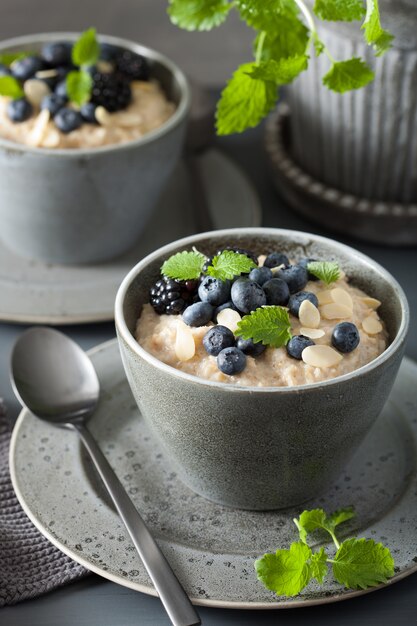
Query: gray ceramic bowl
(88, 205)
(251, 447)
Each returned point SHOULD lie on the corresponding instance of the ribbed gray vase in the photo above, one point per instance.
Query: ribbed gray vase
(362, 142)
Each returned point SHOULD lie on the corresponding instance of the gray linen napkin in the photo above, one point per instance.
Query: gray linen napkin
(29, 564)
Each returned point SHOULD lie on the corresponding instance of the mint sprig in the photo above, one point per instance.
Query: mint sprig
(339, 10)
(229, 264)
(348, 75)
(79, 85)
(7, 58)
(357, 564)
(269, 325)
(198, 14)
(86, 50)
(327, 271)
(375, 35)
(184, 265)
(10, 87)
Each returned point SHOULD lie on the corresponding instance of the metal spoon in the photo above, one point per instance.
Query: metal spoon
(57, 382)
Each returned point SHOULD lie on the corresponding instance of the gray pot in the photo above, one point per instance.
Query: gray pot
(251, 447)
(362, 142)
(88, 205)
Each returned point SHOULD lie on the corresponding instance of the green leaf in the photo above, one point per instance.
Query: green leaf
(347, 75)
(288, 38)
(318, 45)
(184, 265)
(265, 15)
(318, 565)
(362, 563)
(309, 521)
(339, 516)
(244, 101)
(282, 72)
(327, 271)
(269, 324)
(86, 50)
(79, 85)
(286, 572)
(198, 14)
(7, 58)
(229, 264)
(339, 10)
(10, 87)
(375, 35)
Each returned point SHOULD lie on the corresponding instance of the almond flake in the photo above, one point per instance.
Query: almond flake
(371, 325)
(229, 318)
(52, 139)
(105, 67)
(341, 296)
(35, 91)
(373, 303)
(324, 297)
(261, 260)
(103, 117)
(38, 132)
(46, 74)
(312, 333)
(184, 343)
(321, 356)
(335, 311)
(276, 269)
(309, 315)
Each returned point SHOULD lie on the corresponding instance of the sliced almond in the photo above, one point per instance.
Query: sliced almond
(35, 91)
(335, 311)
(184, 343)
(309, 315)
(312, 333)
(38, 132)
(341, 296)
(103, 117)
(373, 303)
(46, 73)
(229, 318)
(321, 356)
(51, 139)
(371, 325)
(276, 269)
(261, 259)
(105, 67)
(324, 297)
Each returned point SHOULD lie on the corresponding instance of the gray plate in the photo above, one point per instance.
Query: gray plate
(55, 294)
(211, 548)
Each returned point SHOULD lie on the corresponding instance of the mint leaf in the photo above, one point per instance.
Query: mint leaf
(268, 324)
(375, 35)
(339, 10)
(10, 87)
(198, 14)
(339, 516)
(327, 271)
(309, 521)
(362, 563)
(286, 572)
(244, 101)
(263, 15)
(86, 50)
(282, 72)
(7, 58)
(318, 565)
(184, 265)
(346, 75)
(288, 38)
(229, 264)
(79, 85)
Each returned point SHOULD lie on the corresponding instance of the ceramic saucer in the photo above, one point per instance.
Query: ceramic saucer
(211, 548)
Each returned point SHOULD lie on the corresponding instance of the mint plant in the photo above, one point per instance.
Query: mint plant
(286, 39)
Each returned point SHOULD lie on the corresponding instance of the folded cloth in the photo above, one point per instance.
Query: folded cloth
(29, 564)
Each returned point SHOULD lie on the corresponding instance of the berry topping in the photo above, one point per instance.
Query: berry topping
(61, 89)
(53, 103)
(26, 68)
(111, 91)
(231, 361)
(249, 347)
(296, 299)
(304, 263)
(67, 120)
(345, 337)
(172, 296)
(295, 276)
(247, 295)
(297, 344)
(214, 290)
(57, 53)
(276, 291)
(260, 275)
(132, 65)
(108, 52)
(198, 314)
(19, 110)
(275, 259)
(217, 339)
(88, 111)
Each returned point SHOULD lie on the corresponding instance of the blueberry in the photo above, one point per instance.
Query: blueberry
(68, 120)
(304, 263)
(227, 305)
(260, 275)
(19, 110)
(276, 291)
(88, 111)
(231, 361)
(4, 70)
(198, 314)
(53, 103)
(108, 52)
(345, 337)
(295, 276)
(217, 339)
(275, 259)
(247, 295)
(61, 89)
(214, 290)
(297, 298)
(296, 345)
(249, 347)
(57, 53)
(26, 68)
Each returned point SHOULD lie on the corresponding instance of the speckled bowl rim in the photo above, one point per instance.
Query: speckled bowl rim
(126, 335)
(178, 116)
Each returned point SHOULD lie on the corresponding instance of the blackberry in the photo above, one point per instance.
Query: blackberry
(133, 66)
(111, 91)
(172, 296)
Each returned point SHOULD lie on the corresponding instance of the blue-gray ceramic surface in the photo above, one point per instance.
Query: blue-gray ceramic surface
(251, 447)
(88, 205)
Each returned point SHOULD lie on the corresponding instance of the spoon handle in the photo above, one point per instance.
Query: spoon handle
(171, 593)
